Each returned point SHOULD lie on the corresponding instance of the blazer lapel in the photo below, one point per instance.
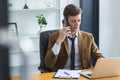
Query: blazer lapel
(66, 45)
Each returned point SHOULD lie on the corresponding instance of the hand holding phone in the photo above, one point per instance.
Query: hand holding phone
(65, 31)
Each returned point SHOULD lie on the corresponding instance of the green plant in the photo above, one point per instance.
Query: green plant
(41, 20)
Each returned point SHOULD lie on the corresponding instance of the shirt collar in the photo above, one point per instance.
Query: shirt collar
(76, 34)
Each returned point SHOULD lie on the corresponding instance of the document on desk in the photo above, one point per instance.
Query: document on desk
(64, 73)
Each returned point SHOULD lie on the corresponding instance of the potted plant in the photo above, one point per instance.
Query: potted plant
(41, 21)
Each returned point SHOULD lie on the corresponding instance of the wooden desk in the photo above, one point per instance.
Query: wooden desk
(48, 76)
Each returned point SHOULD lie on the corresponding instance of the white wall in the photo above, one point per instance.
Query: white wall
(110, 28)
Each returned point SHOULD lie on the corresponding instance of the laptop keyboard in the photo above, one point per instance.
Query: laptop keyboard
(89, 74)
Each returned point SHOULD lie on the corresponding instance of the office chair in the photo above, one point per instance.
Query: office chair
(43, 44)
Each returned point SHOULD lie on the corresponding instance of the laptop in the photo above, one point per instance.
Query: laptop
(104, 68)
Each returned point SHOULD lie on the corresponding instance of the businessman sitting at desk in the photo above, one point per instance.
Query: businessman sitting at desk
(71, 48)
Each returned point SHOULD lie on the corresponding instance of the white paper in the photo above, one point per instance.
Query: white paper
(63, 73)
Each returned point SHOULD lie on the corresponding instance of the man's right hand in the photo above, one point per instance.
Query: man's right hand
(62, 34)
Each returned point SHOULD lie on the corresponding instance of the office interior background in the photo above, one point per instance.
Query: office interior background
(28, 28)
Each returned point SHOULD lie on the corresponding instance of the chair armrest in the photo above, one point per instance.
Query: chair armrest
(43, 69)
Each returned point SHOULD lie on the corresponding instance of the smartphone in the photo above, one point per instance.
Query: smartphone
(65, 22)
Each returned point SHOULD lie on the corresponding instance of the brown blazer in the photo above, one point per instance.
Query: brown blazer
(87, 47)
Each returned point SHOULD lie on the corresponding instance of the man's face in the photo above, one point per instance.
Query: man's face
(74, 22)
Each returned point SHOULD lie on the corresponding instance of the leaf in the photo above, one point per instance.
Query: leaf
(41, 20)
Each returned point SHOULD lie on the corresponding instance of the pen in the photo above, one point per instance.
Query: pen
(66, 73)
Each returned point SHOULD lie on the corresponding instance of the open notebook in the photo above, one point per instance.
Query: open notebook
(64, 73)
(105, 68)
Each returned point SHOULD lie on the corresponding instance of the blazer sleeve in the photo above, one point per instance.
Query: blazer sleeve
(94, 50)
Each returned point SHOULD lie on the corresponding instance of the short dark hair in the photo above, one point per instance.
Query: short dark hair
(71, 10)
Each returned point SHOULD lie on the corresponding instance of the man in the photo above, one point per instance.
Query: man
(59, 56)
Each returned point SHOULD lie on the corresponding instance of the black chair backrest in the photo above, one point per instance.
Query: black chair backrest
(44, 37)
